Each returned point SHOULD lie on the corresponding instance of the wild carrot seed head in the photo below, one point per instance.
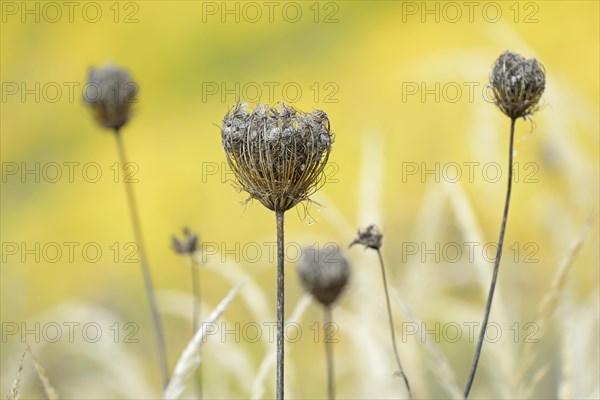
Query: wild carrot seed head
(369, 237)
(110, 92)
(518, 84)
(278, 154)
(323, 272)
(187, 245)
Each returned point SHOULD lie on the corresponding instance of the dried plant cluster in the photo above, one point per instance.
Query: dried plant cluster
(278, 154)
(111, 93)
(324, 273)
(518, 84)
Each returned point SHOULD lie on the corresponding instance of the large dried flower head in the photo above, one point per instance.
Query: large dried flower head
(110, 92)
(517, 84)
(369, 237)
(278, 154)
(187, 245)
(324, 272)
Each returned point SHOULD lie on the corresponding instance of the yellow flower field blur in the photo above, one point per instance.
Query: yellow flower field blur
(419, 149)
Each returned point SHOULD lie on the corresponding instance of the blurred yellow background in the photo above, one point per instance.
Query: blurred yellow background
(403, 84)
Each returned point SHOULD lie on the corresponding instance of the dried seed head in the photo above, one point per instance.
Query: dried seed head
(278, 154)
(111, 93)
(323, 272)
(369, 237)
(518, 84)
(186, 246)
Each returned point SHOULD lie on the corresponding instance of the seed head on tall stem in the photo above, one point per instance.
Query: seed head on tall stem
(518, 85)
(278, 156)
(372, 238)
(111, 94)
(324, 273)
(187, 246)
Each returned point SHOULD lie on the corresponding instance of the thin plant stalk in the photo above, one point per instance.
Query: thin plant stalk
(196, 310)
(391, 320)
(328, 351)
(195, 275)
(280, 305)
(488, 305)
(135, 221)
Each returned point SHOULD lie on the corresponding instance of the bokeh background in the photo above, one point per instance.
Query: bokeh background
(394, 79)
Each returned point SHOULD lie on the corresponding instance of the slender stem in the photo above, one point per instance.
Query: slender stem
(280, 305)
(196, 310)
(389, 309)
(195, 293)
(135, 221)
(328, 351)
(488, 305)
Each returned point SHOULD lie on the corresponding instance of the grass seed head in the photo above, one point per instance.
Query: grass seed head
(518, 84)
(323, 273)
(278, 154)
(111, 92)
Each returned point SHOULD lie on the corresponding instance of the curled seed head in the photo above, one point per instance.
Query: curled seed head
(323, 272)
(517, 84)
(278, 154)
(369, 237)
(187, 245)
(110, 93)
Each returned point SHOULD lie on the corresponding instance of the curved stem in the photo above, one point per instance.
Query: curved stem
(389, 309)
(488, 305)
(280, 305)
(196, 309)
(135, 221)
(328, 351)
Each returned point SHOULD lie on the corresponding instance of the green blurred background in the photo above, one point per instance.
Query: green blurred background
(367, 65)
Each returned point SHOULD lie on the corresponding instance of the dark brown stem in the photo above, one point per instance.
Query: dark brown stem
(328, 351)
(488, 306)
(280, 305)
(196, 310)
(135, 221)
(389, 309)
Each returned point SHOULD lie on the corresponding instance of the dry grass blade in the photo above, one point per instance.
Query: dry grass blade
(258, 387)
(550, 302)
(41, 373)
(14, 392)
(438, 363)
(189, 359)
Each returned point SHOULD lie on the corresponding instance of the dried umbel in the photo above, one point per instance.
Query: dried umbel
(187, 245)
(370, 237)
(323, 272)
(517, 84)
(111, 93)
(278, 154)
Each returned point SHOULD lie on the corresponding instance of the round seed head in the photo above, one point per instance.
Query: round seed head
(369, 237)
(517, 84)
(110, 93)
(323, 273)
(278, 154)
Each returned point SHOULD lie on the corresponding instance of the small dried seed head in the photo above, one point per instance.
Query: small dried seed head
(111, 93)
(369, 237)
(323, 272)
(517, 84)
(278, 154)
(187, 245)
